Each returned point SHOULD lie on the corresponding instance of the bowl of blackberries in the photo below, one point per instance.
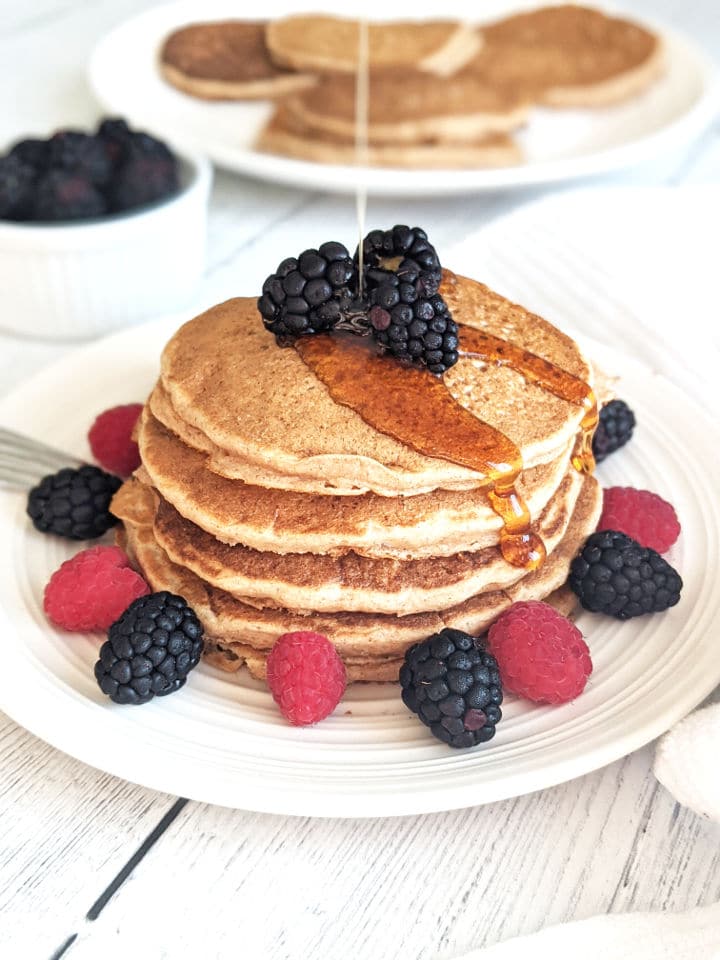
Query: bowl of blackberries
(98, 230)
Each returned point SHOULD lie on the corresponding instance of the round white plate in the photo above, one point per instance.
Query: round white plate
(222, 740)
(558, 144)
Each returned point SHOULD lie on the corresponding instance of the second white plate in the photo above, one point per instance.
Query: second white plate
(558, 144)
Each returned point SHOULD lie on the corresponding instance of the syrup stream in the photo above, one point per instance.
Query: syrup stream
(362, 97)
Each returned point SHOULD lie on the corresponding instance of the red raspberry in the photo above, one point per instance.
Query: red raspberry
(111, 439)
(306, 677)
(92, 589)
(540, 653)
(642, 515)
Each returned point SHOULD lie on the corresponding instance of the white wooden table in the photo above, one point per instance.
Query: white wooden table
(91, 866)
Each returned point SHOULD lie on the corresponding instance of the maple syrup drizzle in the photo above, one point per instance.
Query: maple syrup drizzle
(362, 105)
(416, 408)
(535, 369)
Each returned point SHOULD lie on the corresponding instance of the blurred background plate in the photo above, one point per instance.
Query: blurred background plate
(559, 144)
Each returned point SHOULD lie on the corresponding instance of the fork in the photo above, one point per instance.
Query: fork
(24, 461)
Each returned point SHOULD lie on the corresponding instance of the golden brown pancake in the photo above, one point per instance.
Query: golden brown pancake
(406, 107)
(325, 44)
(280, 521)
(226, 60)
(287, 135)
(304, 581)
(225, 385)
(358, 637)
(568, 56)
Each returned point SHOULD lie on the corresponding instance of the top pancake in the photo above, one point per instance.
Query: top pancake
(568, 56)
(226, 60)
(326, 44)
(226, 388)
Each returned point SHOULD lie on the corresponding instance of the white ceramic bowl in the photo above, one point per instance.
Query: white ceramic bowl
(77, 280)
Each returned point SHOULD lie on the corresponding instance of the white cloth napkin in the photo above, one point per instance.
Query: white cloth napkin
(693, 935)
(686, 762)
(630, 268)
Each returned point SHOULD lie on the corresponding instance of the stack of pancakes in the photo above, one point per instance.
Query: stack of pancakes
(272, 508)
(442, 93)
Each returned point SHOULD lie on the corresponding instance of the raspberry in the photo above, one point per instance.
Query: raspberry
(541, 654)
(642, 515)
(91, 590)
(111, 440)
(306, 677)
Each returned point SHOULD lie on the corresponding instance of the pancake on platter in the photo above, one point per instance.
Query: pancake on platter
(326, 44)
(569, 56)
(407, 108)
(226, 60)
(289, 136)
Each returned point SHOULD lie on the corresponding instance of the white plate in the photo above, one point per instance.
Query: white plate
(222, 740)
(558, 144)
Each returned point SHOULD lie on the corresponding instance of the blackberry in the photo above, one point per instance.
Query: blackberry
(62, 195)
(17, 180)
(74, 503)
(403, 251)
(310, 293)
(150, 649)
(421, 331)
(614, 429)
(613, 574)
(80, 153)
(143, 178)
(453, 685)
(409, 319)
(32, 152)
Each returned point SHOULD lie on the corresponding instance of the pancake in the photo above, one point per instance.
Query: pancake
(232, 656)
(405, 108)
(220, 392)
(287, 135)
(226, 60)
(302, 581)
(434, 524)
(568, 56)
(325, 44)
(357, 636)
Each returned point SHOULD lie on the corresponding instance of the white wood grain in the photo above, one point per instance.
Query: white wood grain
(419, 887)
(66, 831)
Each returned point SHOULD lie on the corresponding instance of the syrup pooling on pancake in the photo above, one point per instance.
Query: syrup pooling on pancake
(492, 349)
(416, 408)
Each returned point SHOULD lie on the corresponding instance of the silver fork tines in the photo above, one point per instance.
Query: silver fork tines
(24, 461)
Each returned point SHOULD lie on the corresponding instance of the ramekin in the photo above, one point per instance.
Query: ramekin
(78, 280)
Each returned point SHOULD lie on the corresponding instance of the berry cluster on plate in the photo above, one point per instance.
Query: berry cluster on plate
(74, 175)
(452, 681)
